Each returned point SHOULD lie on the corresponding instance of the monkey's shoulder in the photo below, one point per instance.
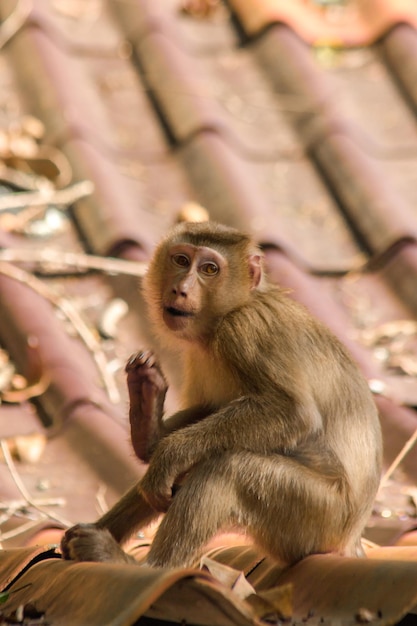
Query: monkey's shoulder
(269, 323)
(272, 310)
(272, 326)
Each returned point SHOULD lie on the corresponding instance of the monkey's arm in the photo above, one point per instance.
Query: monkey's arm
(186, 417)
(259, 424)
(147, 389)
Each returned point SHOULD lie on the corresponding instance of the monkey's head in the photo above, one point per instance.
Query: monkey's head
(199, 273)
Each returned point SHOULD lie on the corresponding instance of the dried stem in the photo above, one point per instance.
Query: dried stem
(93, 345)
(409, 444)
(49, 195)
(101, 499)
(22, 489)
(76, 260)
(15, 505)
(15, 21)
(23, 528)
(73, 316)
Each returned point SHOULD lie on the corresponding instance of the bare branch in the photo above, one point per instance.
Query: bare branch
(76, 260)
(409, 444)
(47, 195)
(73, 316)
(22, 489)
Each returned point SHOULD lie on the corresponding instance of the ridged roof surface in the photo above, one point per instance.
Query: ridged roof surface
(294, 120)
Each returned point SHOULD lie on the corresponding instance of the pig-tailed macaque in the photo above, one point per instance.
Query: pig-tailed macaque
(277, 433)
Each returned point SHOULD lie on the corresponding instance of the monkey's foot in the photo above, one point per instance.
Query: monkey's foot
(86, 542)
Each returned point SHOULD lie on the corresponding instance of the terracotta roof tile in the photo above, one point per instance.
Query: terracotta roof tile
(356, 24)
(311, 147)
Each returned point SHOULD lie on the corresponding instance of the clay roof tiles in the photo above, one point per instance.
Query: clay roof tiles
(296, 120)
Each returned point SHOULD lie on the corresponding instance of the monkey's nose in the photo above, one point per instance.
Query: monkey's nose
(179, 292)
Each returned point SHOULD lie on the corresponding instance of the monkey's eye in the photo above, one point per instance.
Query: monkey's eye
(210, 268)
(181, 260)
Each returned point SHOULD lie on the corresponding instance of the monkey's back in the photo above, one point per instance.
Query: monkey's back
(275, 342)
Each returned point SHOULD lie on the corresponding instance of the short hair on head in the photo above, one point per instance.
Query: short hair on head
(212, 234)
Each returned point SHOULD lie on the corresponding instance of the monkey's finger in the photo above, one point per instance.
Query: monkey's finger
(144, 357)
(140, 358)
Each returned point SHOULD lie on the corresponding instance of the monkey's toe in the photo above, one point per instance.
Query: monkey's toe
(71, 537)
(86, 542)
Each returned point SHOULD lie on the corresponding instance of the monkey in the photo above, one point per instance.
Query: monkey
(277, 432)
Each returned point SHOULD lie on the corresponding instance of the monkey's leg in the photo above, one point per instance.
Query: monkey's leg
(204, 504)
(147, 389)
(289, 509)
(292, 510)
(100, 541)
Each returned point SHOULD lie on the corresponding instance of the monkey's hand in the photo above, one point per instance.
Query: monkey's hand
(169, 464)
(156, 492)
(147, 389)
(86, 542)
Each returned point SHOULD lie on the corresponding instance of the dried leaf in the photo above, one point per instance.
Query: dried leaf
(274, 604)
(365, 616)
(29, 448)
(231, 578)
(26, 448)
(109, 320)
(192, 212)
(199, 8)
(271, 605)
(390, 330)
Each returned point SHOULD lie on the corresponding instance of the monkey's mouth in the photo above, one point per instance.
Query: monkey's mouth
(178, 312)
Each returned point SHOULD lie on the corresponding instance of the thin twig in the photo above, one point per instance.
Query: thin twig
(57, 197)
(93, 345)
(20, 179)
(409, 444)
(15, 21)
(7, 515)
(20, 504)
(76, 260)
(73, 316)
(20, 530)
(102, 505)
(22, 489)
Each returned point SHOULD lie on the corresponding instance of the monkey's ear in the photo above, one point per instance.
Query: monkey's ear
(255, 269)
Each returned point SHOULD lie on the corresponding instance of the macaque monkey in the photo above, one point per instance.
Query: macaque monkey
(277, 433)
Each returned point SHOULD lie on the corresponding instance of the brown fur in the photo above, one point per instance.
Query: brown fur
(278, 432)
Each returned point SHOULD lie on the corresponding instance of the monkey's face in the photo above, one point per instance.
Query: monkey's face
(192, 278)
(198, 274)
